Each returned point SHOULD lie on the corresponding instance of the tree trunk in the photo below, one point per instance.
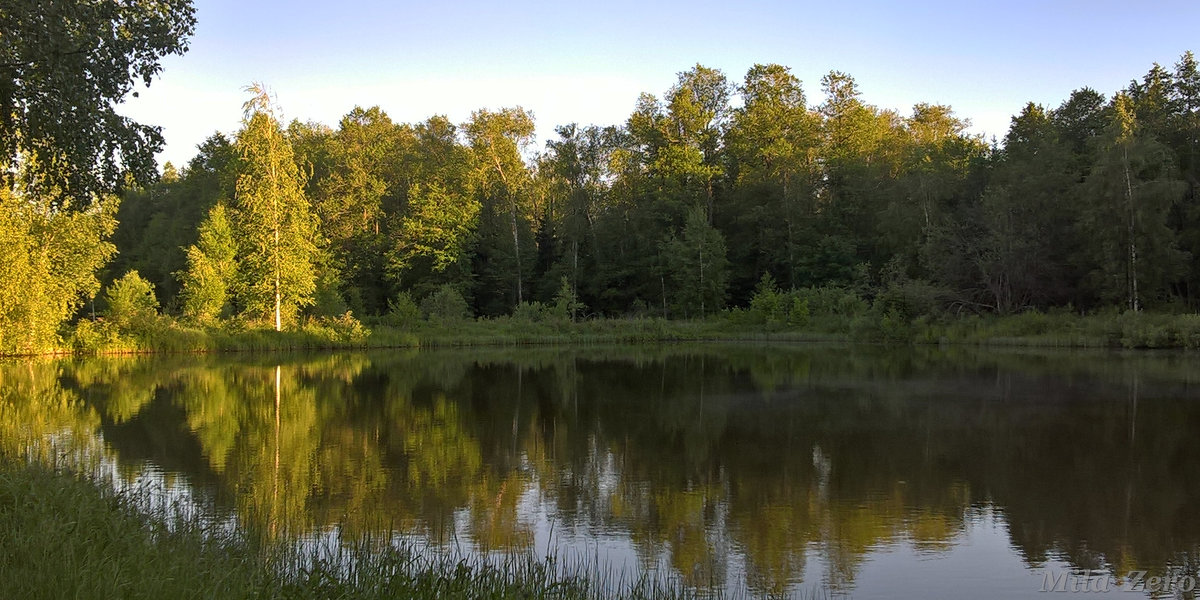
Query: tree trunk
(709, 193)
(1134, 300)
(701, 279)
(516, 249)
(791, 236)
(275, 252)
(513, 217)
(575, 265)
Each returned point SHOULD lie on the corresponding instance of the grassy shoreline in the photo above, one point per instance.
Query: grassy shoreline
(71, 535)
(1031, 329)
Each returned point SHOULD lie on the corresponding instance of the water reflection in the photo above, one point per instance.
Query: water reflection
(773, 467)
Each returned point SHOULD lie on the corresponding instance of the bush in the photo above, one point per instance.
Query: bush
(340, 330)
(566, 302)
(772, 308)
(827, 308)
(93, 336)
(445, 305)
(911, 299)
(402, 311)
(530, 312)
(766, 305)
(833, 301)
(797, 313)
(1187, 331)
(1140, 330)
(132, 305)
(328, 301)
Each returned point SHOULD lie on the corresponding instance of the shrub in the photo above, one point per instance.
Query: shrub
(402, 311)
(327, 300)
(798, 313)
(1187, 331)
(445, 305)
(529, 312)
(766, 305)
(832, 301)
(566, 301)
(344, 329)
(92, 336)
(132, 305)
(1140, 330)
(911, 299)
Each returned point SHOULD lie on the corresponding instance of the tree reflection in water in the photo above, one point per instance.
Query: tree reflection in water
(724, 461)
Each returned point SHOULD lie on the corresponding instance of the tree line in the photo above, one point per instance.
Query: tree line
(715, 194)
(683, 209)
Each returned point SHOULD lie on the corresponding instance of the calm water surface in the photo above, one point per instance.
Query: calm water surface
(853, 471)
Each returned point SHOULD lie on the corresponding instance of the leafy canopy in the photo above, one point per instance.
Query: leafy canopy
(64, 65)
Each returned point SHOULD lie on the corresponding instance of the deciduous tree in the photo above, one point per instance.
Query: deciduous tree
(274, 224)
(64, 65)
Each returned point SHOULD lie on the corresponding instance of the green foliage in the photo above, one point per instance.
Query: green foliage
(833, 301)
(437, 228)
(767, 305)
(870, 218)
(130, 302)
(342, 331)
(445, 305)
(158, 223)
(90, 336)
(274, 225)
(774, 309)
(566, 302)
(211, 269)
(503, 183)
(797, 312)
(530, 312)
(67, 65)
(402, 311)
(911, 299)
(327, 297)
(696, 266)
(1129, 196)
(48, 264)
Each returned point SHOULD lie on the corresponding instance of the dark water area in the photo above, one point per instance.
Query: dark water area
(854, 471)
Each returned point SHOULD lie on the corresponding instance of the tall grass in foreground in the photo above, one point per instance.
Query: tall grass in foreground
(71, 536)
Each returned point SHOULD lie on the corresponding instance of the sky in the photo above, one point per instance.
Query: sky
(588, 62)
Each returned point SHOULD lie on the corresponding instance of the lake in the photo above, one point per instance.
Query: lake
(827, 470)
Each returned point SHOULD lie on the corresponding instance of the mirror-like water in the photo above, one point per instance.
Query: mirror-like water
(869, 472)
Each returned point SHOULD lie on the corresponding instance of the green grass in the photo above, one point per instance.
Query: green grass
(1109, 329)
(1065, 329)
(168, 335)
(67, 536)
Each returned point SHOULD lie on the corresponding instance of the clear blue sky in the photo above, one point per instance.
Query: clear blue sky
(588, 62)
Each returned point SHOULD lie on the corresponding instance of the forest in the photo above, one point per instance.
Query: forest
(747, 201)
(680, 211)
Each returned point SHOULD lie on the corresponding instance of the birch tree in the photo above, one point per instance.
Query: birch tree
(276, 229)
(498, 139)
(1127, 202)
